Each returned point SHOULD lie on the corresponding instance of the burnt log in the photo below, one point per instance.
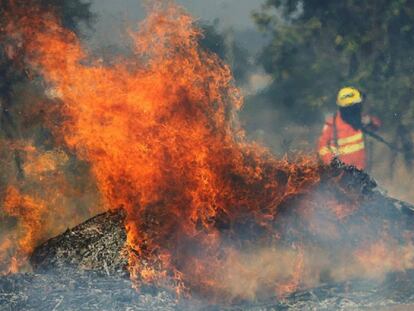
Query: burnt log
(96, 245)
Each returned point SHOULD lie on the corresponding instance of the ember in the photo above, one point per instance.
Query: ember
(207, 213)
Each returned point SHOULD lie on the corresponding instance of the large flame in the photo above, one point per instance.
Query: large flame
(161, 135)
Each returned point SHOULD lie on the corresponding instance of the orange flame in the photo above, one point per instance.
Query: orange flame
(29, 213)
(41, 205)
(161, 135)
(160, 132)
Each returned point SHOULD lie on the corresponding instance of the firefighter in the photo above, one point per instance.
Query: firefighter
(343, 134)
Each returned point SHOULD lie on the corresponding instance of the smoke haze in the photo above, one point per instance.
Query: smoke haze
(234, 14)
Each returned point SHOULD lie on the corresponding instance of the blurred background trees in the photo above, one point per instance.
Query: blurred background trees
(319, 46)
(225, 46)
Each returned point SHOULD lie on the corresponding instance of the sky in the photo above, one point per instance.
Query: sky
(113, 15)
(232, 13)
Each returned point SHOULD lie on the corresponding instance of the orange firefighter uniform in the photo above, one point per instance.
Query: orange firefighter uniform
(339, 139)
(344, 139)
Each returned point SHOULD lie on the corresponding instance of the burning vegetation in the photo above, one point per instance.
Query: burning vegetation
(206, 211)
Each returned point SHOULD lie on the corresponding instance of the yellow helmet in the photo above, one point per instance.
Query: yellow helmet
(348, 96)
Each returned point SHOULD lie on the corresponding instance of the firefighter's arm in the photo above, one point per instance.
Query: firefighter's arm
(371, 122)
(325, 150)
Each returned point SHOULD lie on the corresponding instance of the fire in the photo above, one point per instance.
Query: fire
(49, 161)
(37, 206)
(207, 211)
(161, 134)
(22, 242)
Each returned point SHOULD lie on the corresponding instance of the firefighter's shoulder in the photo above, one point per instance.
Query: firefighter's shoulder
(329, 118)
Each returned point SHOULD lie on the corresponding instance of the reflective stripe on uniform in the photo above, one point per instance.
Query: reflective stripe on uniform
(350, 139)
(327, 150)
(351, 148)
(342, 150)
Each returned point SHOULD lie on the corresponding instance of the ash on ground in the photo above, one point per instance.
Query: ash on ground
(87, 291)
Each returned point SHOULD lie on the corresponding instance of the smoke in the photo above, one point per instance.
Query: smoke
(246, 276)
(323, 243)
(218, 215)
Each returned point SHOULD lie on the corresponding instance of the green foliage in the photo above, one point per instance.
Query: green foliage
(319, 46)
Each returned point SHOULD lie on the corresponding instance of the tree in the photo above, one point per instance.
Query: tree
(319, 46)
